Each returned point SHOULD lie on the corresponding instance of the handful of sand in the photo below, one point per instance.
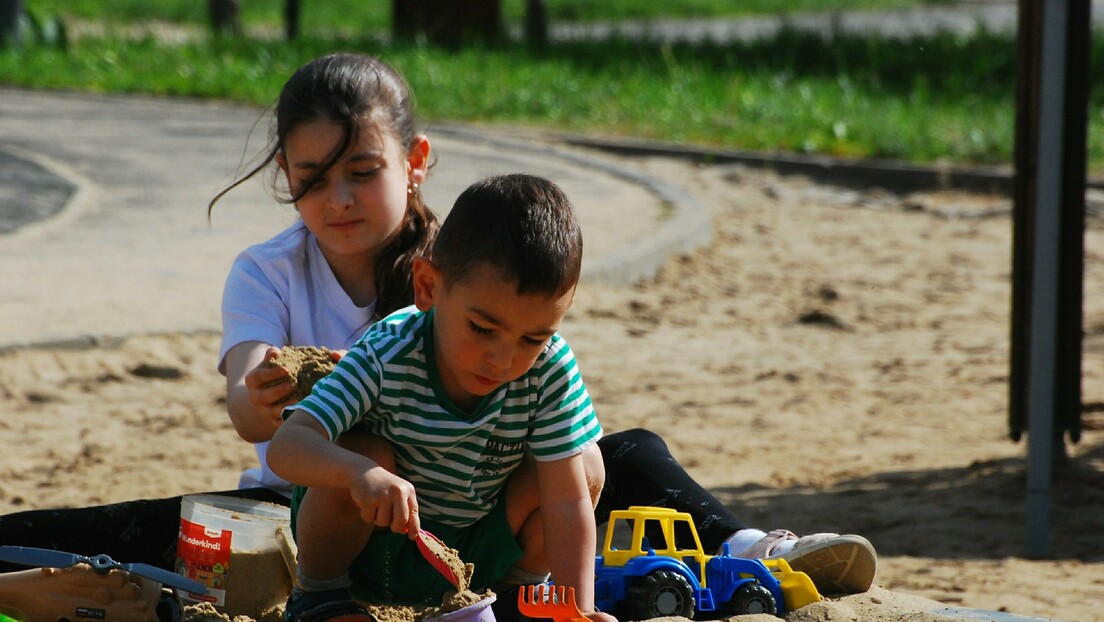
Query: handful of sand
(306, 365)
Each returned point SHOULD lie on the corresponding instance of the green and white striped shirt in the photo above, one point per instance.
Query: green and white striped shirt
(457, 461)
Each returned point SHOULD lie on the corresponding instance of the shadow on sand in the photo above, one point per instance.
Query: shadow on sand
(973, 512)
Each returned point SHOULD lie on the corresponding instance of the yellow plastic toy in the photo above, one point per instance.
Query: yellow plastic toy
(656, 574)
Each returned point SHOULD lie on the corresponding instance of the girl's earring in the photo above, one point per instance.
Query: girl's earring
(413, 190)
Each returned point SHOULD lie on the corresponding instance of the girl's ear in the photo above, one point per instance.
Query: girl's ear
(417, 160)
(427, 278)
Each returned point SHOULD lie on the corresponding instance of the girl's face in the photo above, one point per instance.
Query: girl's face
(359, 204)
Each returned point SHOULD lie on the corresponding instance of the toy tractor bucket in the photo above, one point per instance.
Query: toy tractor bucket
(797, 588)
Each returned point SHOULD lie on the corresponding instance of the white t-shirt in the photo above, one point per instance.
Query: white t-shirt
(282, 292)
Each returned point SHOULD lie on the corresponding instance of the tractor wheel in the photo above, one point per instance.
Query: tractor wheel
(752, 598)
(660, 594)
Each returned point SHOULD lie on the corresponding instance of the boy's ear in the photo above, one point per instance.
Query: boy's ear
(427, 278)
(417, 160)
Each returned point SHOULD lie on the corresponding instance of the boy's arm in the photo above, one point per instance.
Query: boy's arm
(569, 531)
(303, 454)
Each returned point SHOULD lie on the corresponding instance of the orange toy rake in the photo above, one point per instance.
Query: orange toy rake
(549, 601)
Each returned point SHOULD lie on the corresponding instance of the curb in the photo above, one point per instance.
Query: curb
(896, 177)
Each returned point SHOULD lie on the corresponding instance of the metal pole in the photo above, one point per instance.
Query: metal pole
(1044, 305)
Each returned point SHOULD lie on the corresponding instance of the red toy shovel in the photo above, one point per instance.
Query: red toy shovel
(437, 553)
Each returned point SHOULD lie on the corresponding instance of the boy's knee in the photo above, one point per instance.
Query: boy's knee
(595, 470)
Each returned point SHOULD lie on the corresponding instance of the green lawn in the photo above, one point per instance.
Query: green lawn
(322, 16)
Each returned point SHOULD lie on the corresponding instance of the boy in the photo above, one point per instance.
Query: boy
(484, 413)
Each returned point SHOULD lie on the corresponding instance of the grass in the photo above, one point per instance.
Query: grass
(944, 98)
(319, 17)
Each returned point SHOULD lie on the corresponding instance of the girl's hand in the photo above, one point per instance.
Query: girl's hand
(270, 389)
(386, 500)
(598, 616)
(256, 391)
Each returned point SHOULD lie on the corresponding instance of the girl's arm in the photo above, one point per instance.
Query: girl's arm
(303, 454)
(256, 393)
(569, 531)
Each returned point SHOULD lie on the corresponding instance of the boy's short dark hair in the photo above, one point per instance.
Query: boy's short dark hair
(520, 224)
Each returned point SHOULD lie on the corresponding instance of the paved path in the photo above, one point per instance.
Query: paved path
(119, 189)
(965, 17)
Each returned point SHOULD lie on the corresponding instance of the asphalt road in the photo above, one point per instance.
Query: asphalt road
(104, 229)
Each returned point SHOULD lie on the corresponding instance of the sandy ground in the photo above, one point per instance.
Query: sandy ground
(834, 361)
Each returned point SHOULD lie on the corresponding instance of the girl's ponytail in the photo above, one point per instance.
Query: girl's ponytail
(395, 263)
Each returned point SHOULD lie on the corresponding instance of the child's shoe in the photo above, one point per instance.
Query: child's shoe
(835, 563)
(325, 606)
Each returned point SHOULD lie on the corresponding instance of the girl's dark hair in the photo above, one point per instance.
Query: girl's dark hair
(520, 225)
(347, 88)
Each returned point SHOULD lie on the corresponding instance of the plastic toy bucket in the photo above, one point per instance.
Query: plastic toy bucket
(230, 546)
(475, 612)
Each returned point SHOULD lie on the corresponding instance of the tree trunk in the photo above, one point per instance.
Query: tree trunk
(448, 23)
(10, 12)
(291, 19)
(536, 23)
(225, 16)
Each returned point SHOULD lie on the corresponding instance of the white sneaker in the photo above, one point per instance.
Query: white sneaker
(835, 563)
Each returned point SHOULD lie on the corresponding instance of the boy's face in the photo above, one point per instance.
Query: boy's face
(485, 334)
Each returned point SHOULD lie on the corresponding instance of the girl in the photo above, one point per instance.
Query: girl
(346, 145)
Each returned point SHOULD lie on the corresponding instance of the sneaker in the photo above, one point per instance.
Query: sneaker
(837, 564)
(325, 606)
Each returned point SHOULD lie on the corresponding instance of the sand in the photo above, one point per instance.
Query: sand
(305, 366)
(833, 361)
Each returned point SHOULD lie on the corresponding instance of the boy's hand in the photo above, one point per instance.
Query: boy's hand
(599, 616)
(386, 500)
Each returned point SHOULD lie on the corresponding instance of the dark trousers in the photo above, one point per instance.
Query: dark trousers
(640, 470)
